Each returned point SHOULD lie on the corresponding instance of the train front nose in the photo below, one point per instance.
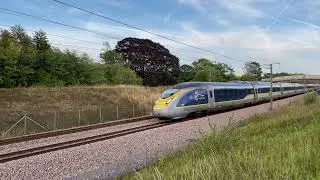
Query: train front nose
(161, 109)
(163, 112)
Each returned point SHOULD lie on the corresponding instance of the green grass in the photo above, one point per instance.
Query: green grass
(279, 145)
(310, 98)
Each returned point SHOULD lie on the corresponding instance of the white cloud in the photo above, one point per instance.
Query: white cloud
(237, 7)
(243, 7)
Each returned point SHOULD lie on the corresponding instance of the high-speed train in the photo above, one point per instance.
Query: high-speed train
(188, 98)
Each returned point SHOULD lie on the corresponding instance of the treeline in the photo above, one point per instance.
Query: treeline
(30, 60)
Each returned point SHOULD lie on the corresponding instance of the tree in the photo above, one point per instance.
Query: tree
(41, 41)
(41, 44)
(21, 37)
(253, 71)
(150, 60)
(120, 74)
(186, 73)
(111, 57)
(205, 70)
(17, 58)
(27, 61)
(267, 75)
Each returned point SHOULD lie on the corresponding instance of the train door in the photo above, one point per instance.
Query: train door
(255, 91)
(211, 97)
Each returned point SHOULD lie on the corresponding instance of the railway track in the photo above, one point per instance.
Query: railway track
(70, 130)
(78, 142)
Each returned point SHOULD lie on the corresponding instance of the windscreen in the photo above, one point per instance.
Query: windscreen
(168, 93)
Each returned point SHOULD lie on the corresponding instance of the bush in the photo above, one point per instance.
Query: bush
(310, 98)
(120, 74)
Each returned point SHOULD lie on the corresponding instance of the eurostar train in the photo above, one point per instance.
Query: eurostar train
(188, 98)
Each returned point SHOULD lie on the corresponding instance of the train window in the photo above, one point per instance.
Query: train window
(211, 94)
(263, 90)
(194, 97)
(168, 93)
(276, 89)
(229, 94)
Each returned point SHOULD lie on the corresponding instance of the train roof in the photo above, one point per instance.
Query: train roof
(199, 83)
(243, 84)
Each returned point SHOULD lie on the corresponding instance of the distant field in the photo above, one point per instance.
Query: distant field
(278, 145)
(64, 103)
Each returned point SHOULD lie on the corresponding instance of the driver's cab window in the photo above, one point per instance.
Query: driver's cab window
(194, 97)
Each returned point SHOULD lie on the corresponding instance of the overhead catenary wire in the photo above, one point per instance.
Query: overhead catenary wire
(74, 46)
(56, 35)
(276, 18)
(147, 31)
(175, 50)
(22, 14)
(69, 45)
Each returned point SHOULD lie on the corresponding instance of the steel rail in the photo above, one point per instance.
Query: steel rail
(70, 130)
(77, 142)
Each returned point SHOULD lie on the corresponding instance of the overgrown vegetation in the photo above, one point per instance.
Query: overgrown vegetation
(279, 145)
(28, 61)
(61, 105)
(205, 70)
(310, 98)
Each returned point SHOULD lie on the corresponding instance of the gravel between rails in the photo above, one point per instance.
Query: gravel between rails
(106, 159)
(67, 137)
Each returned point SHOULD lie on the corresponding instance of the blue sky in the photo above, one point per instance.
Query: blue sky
(285, 31)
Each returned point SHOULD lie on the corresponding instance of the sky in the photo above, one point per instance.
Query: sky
(234, 31)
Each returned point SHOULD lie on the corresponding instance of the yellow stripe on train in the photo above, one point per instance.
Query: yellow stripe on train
(163, 103)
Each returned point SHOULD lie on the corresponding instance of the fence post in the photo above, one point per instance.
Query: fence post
(79, 117)
(132, 110)
(55, 121)
(25, 124)
(100, 115)
(117, 112)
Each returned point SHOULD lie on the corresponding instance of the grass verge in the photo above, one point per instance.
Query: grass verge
(279, 145)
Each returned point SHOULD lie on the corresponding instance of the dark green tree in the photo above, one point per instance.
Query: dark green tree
(187, 72)
(205, 70)
(150, 60)
(17, 57)
(253, 71)
(41, 41)
(20, 36)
